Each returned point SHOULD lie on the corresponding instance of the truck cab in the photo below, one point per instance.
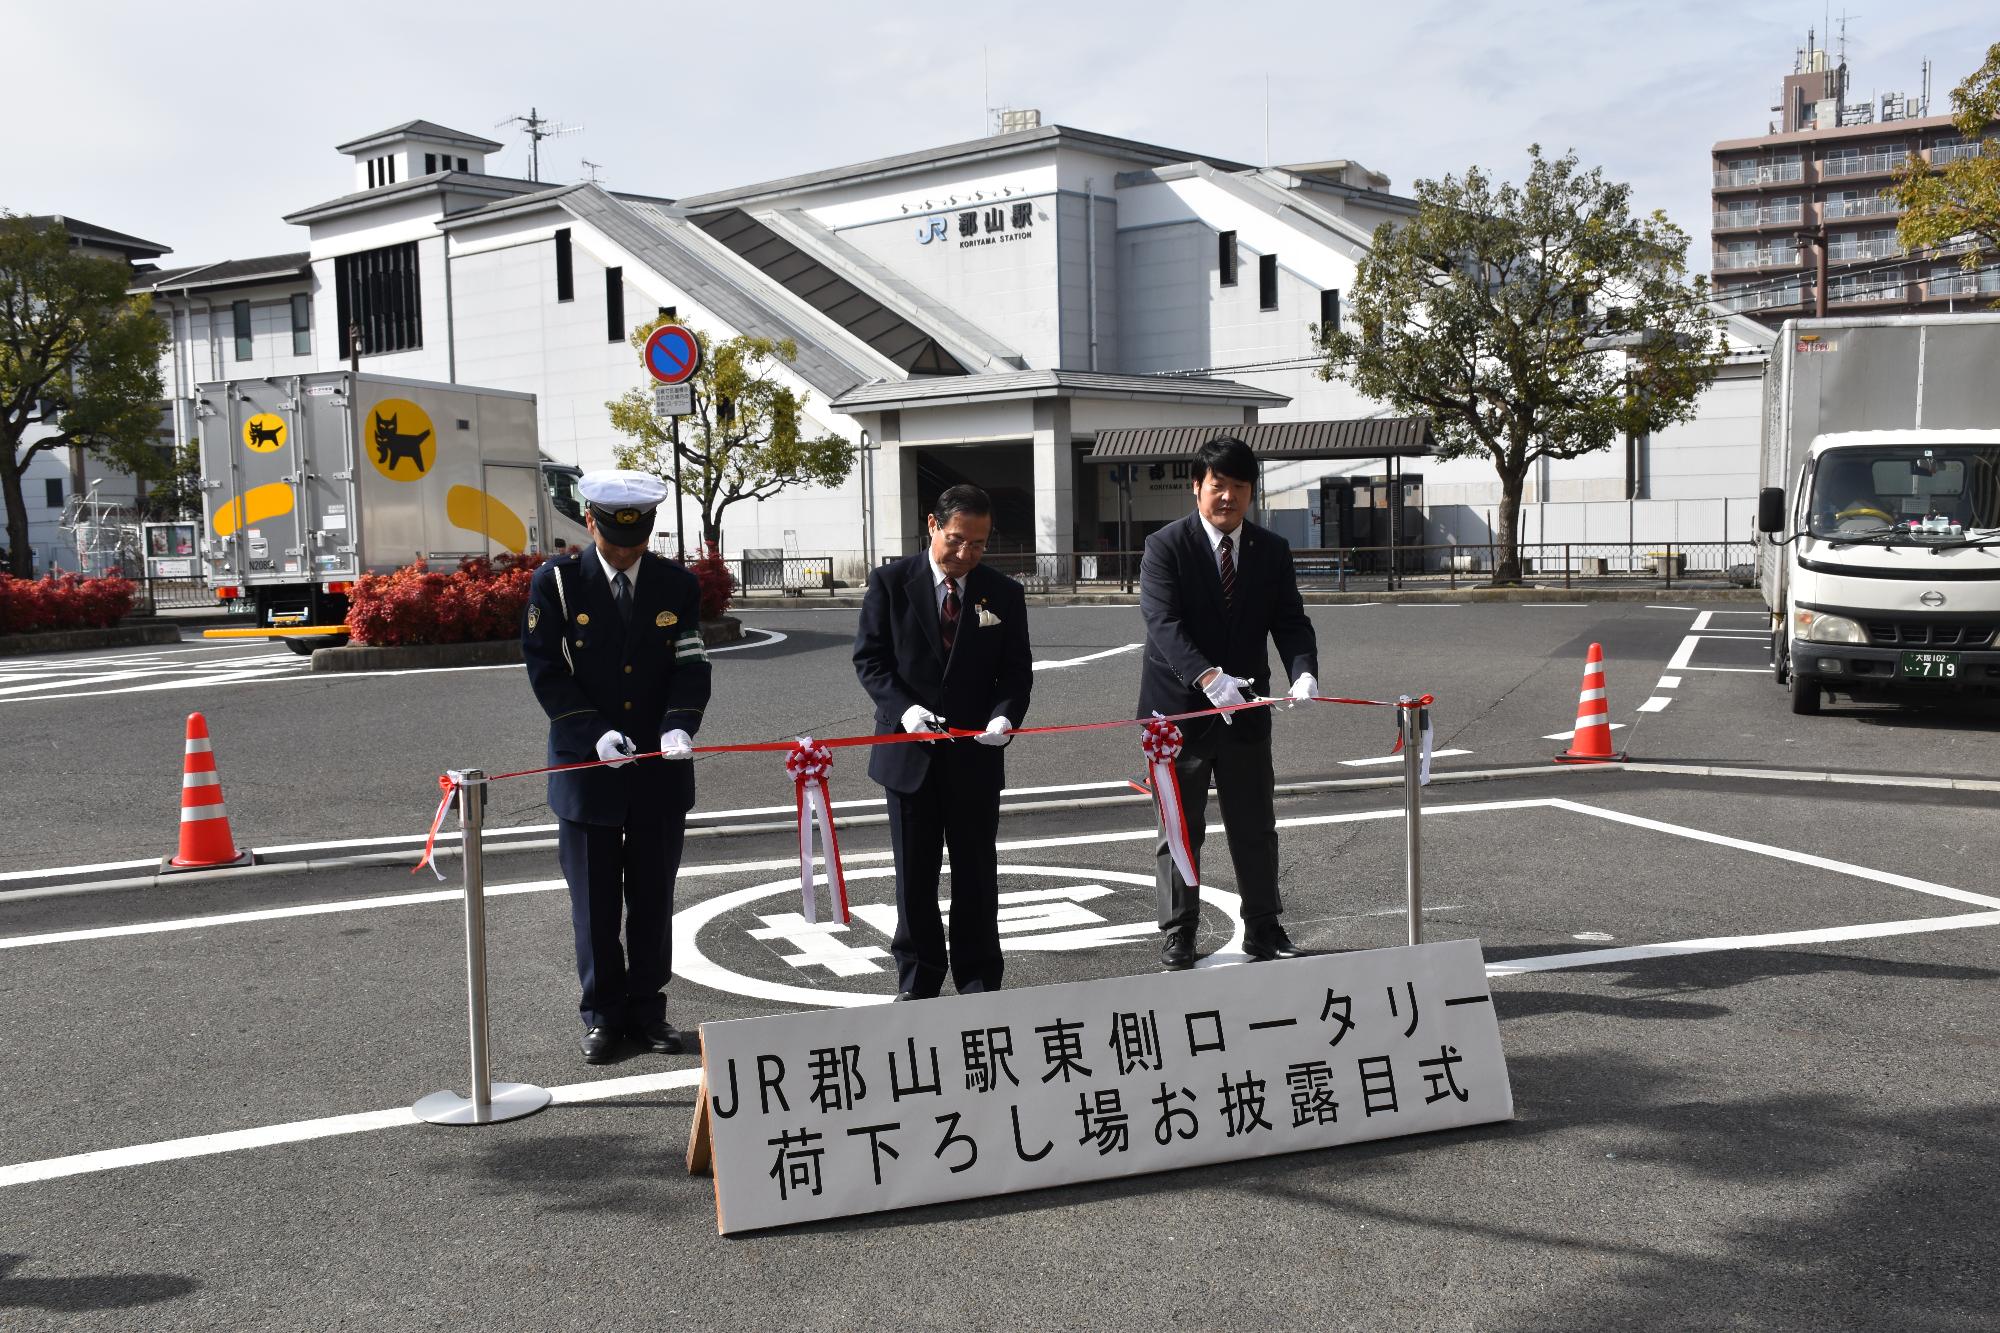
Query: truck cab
(1886, 553)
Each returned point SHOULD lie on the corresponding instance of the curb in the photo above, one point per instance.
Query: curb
(70, 640)
(492, 652)
(1414, 596)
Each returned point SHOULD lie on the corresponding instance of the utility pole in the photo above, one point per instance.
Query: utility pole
(1815, 236)
(537, 128)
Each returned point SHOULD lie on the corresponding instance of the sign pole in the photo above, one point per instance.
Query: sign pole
(487, 1102)
(680, 525)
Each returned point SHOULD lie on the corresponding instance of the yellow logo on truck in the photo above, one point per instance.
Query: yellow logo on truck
(271, 500)
(264, 433)
(397, 436)
(476, 511)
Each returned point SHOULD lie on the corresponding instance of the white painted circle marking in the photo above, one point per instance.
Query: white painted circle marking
(690, 964)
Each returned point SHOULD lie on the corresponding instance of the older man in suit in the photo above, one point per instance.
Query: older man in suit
(612, 637)
(1212, 587)
(943, 642)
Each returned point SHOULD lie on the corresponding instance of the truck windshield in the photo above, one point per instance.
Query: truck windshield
(563, 493)
(1858, 490)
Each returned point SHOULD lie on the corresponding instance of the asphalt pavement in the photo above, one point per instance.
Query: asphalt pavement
(1747, 1016)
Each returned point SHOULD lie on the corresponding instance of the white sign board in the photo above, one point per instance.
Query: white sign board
(673, 400)
(836, 1112)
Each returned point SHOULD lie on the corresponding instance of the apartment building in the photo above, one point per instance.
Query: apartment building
(1818, 176)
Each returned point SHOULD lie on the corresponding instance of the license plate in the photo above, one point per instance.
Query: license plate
(1931, 666)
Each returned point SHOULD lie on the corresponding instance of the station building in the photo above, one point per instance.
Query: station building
(995, 311)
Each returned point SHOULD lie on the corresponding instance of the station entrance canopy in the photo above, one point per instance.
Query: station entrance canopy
(1370, 437)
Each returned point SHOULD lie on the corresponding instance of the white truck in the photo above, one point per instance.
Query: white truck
(310, 481)
(1881, 507)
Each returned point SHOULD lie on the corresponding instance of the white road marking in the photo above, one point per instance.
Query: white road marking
(1657, 704)
(1833, 934)
(1571, 735)
(1395, 758)
(1089, 657)
(1748, 671)
(1668, 683)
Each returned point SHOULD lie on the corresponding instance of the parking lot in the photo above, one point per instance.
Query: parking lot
(1746, 988)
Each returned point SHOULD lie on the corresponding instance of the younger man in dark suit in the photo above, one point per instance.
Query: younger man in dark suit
(613, 643)
(1212, 586)
(943, 642)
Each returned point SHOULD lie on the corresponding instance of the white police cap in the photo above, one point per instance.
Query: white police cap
(621, 488)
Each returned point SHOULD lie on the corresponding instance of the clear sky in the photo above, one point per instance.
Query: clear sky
(198, 125)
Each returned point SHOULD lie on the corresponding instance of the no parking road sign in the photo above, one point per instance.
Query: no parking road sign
(672, 354)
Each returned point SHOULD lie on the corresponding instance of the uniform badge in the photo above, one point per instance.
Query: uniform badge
(666, 619)
(583, 617)
(626, 517)
(534, 618)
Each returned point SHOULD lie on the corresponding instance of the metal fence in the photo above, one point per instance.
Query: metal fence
(1448, 566)
(151, 594)
(774, 571)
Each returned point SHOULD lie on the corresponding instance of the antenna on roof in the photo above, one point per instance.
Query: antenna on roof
(537, 128)
(591, 169)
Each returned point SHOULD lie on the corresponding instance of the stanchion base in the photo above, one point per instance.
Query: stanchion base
(511, 1101)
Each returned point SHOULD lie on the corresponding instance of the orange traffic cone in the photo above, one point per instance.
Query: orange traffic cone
(1591, 744)
(205, 839)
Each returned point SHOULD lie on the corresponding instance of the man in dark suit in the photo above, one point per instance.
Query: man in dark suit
(944, 643)
(613, 643)
(1212, 586)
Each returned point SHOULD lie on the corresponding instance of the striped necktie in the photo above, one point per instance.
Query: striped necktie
(1227, 563)
(948, 616)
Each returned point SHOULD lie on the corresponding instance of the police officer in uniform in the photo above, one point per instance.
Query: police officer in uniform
(612, 638)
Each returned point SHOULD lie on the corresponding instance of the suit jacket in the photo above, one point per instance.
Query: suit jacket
(592, 675)
(1189, 630)
(900, 660)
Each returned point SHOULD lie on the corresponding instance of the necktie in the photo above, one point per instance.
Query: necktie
(1227, 563)
(621, 592)
(948, 616)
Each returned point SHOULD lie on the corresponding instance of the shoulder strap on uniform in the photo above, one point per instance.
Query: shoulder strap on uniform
(562, 599)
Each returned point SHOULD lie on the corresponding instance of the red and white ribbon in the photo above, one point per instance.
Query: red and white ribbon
(1422, 709)
(1161, 740)
(808, 763)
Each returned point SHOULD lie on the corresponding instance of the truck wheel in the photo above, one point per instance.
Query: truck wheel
(1781, 666)
(1805, 695)
(303, 647)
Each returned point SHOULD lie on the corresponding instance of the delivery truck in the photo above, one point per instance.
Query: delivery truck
(1880, 508)
(310, 481)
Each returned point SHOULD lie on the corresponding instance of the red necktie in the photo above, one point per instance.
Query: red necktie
(948, 617)
(1227, 562)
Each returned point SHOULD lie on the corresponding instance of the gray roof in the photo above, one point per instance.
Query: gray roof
(463, 183)
(1020, 384)
(421, 129)
(83, 233)
(228, 273)
(996, 145)
(1370, 437)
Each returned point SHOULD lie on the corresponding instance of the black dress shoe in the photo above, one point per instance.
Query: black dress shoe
(902, 995)
(1267, 945)
(1177, 951)
(599, 1046)
(658, 1037)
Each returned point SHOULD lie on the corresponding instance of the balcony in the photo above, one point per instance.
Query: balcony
(1853, 250)
(1876, 207)
(1764, 173)
(1860, 293)
(1765, 299)
(1960, 284)
(1770, 256)
(1728, 219)
(1867, 164)
(1953, 152)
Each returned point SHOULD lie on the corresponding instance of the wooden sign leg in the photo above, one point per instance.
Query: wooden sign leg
(700, 1155)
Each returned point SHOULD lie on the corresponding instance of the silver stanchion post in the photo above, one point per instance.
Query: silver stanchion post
(1410, 726)
(489, 1101)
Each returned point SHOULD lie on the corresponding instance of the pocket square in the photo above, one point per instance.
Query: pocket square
(987, 620)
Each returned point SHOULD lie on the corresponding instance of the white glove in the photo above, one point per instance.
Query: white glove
(676, 744)
(996, 732)
(1304, 688)
(920, 719)
(1224, 690)
(614, 749)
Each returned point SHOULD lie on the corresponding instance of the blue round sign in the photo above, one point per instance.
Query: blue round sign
(672, 354)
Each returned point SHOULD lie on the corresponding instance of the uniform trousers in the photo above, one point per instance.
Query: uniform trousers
(622, 871)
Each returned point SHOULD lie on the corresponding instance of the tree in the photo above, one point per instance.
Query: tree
(743, 441)
(79, 356)
(1534, 322)
(1959, 204)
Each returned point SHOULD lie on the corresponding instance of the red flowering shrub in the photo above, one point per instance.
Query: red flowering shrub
(479, 601)
(62, 601)
(718, 585)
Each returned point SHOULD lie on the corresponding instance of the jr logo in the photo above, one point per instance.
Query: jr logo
(931, 229)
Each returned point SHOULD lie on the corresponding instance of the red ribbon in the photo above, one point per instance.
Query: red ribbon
(809, 761)
(1162, 742)
(437, 822)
